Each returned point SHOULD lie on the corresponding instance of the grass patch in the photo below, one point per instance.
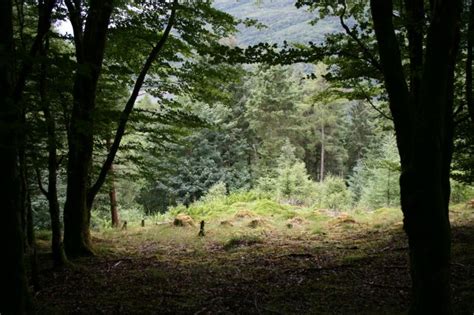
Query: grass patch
(43, 235)
(242, 240)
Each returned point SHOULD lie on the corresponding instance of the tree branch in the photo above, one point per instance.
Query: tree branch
(129, 107)
(368, 55)
(45, 10)
(368, 99)
(21, 22)
(75, 18)
(392, 70)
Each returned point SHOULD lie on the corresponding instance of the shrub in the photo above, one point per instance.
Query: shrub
(460, 192)
(333, 194)
(216, 192)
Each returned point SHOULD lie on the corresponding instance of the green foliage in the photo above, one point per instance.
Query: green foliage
(460, 192)
(292, 180)
(270, 111)
(333, 193)
(215, 192)
(375, 178)
(41, 215)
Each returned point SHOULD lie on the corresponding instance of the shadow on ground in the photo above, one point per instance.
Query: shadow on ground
(358, 274)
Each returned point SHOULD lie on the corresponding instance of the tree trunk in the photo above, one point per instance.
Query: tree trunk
(59, 258)
(321, 169)
(113, 194)
(469, 58)
(90, 46)
(14, 298)
(23, 181)
(113, 205)
(32, 244)
(423, 123)
(114, 146)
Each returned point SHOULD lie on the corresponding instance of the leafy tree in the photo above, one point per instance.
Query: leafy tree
(197, 24)
(375, 179)
(210, 154)
(334, 194)
(414, 56)
(325, 120)
(271, 114)
(292, 180)
(424, 127)
(361, 132)
(12, 122)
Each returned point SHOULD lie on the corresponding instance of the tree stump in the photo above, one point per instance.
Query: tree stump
(201, 230)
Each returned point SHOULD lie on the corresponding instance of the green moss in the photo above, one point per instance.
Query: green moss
(242, 240)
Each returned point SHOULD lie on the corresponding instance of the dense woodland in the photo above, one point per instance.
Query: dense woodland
(124, 116)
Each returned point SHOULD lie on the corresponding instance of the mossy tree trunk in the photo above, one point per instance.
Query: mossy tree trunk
(422, 113)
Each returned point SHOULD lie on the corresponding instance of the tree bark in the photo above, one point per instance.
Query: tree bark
(31, 240)
(321, 168)
(14, 298)
(114, 215)
(59, 258)
(423, 124)
(113, 202)
(90, 46)
(469, 57)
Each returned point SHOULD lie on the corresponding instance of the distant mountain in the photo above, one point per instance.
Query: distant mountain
(283, 20)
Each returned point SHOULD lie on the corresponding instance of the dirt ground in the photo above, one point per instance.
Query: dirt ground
(359, 272)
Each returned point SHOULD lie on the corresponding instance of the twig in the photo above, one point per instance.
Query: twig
(367, 53)
(367, 98)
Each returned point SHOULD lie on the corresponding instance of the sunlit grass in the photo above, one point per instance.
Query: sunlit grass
(265, 220)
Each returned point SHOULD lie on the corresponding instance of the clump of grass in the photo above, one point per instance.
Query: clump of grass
(242, 240)
(244, 213)
(381, 218)
(43, 235)
(354, 258)
(258, 222)
(269, 207)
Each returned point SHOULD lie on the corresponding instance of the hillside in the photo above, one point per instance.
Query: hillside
(283, 20)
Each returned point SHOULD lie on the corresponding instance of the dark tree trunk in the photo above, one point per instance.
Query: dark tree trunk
(321, 169)
(469, 58)
(23, 180)
(59, 258)
(113, 194)
(14, 298)
(90, 45)
(30, 232)
(113, 204)
(423, 123)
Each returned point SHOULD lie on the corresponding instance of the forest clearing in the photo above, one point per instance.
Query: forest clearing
(237, 156)
(323, 263)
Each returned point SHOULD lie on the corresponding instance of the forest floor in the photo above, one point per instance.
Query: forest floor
(345, 264)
